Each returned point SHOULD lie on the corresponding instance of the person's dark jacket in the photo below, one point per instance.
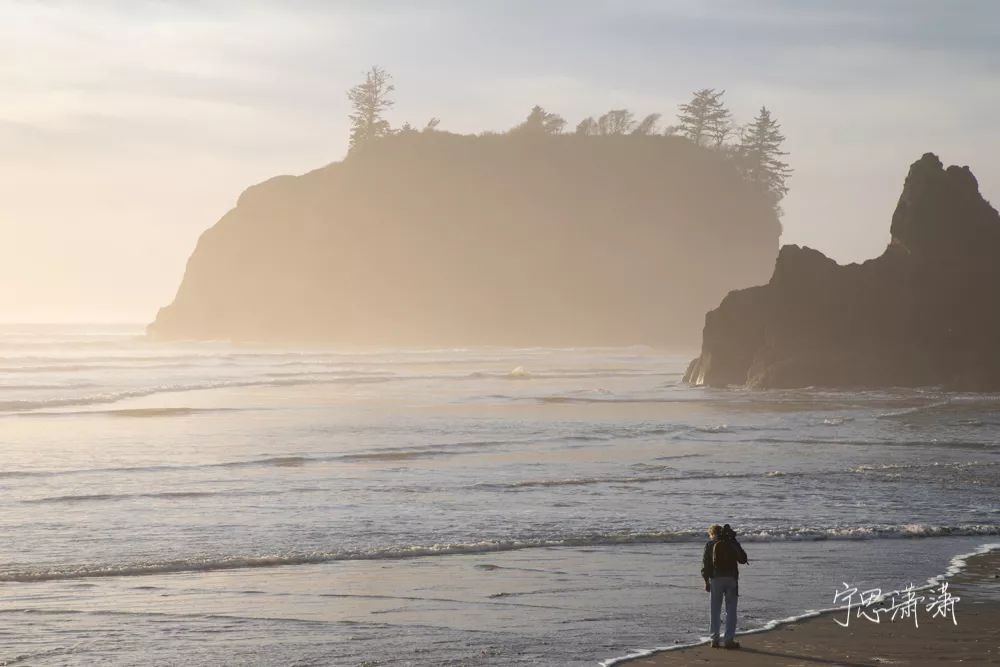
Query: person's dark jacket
(708, 570)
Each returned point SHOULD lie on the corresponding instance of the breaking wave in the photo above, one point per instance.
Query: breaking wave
(26, 405)
(146, 568)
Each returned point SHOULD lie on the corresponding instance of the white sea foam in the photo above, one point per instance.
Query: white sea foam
(132, 569)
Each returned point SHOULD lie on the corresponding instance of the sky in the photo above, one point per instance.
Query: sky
(129, 127)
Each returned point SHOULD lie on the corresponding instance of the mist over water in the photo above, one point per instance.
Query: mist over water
(445, 506)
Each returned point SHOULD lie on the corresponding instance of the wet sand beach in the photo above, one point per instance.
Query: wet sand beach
(975, 640)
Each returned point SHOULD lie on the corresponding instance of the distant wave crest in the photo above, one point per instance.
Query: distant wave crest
(26, 405)
(165, 495)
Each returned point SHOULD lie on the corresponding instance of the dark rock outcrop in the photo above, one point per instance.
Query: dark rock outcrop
(442, 239)
(923, 313)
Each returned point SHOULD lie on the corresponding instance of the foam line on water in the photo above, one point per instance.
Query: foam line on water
(22, 405)
(401, 552)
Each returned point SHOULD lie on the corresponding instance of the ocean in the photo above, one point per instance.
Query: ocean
(220, 504)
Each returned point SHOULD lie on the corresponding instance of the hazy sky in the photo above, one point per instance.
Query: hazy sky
(127, 128)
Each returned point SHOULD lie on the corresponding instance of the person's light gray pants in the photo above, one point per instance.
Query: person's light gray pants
(728, 588)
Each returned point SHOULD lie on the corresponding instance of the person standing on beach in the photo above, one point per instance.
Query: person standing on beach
(720, 569)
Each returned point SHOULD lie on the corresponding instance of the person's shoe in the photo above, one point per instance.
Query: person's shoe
(732, 645)
(715, 643)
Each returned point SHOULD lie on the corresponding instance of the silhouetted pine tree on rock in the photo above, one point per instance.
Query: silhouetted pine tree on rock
(369, 100)
(759, 155)
(705, 120)
(647, 125)
(616, 121)
(539, 121)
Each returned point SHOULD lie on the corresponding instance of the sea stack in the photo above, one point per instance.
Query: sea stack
(439, 239)
(924, 313)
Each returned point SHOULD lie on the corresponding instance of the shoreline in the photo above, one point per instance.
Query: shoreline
(961, 564)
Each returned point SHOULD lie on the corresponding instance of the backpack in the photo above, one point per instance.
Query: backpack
(724, 556)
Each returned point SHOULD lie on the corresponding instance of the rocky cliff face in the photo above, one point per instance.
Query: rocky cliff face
(441, 239)
(923, 313)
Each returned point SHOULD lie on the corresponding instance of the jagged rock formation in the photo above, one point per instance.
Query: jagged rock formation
(442, 239)
(923, 313)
